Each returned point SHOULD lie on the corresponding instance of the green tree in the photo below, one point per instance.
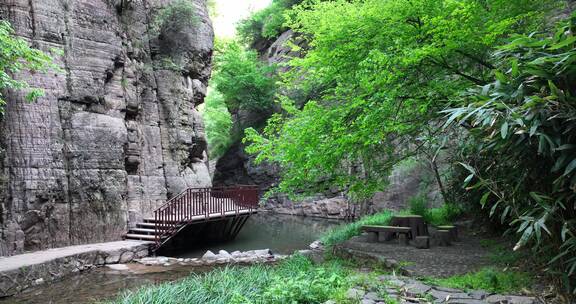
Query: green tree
(381, 71)
(218, 123)
(15, 56)
(244, 81)
(265, 25)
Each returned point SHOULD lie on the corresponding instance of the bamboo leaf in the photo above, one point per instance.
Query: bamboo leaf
(504, 130)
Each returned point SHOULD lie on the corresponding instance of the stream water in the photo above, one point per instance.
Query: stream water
(282, 234)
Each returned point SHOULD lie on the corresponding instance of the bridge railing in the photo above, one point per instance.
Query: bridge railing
(197, 203)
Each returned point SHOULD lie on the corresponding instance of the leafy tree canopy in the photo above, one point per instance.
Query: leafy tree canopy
(218, 123)
(244, 81)
(383, 70)
(266, 24)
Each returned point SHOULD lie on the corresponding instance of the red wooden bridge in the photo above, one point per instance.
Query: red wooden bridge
(230, 206)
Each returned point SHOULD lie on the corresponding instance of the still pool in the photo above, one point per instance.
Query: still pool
(283, 234)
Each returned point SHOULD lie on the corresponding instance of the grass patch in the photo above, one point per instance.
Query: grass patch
(502, 256)
(295, 280)
(489, 279)
(435, 216)
(346, 231)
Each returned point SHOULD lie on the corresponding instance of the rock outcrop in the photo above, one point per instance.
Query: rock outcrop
(116, 132)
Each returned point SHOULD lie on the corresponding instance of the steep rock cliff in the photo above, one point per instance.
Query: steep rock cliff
(117, 131)
(236, 166)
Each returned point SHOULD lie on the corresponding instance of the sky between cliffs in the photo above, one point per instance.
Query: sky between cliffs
(229, 12)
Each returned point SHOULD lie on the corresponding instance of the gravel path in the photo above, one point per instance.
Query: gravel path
(462, 257)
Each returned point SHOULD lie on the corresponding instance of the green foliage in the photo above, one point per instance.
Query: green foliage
(443, 215)
(266, 24)
(176, 16)
(218, 123)
(16, 56)
(521, 159)
(418, 205)
(346, 231)
(296, 280)
(244, 81)
(435, 216)
(488, 279)
(379, 72)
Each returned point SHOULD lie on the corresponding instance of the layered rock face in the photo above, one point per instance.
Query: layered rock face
(117, 131)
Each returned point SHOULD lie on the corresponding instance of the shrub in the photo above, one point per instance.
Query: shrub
(435, 216)
(174, 17)
(419, 205)
(346, 231)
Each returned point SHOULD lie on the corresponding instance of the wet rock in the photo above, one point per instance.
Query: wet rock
(119, 267)
(209, 255)
(465, 301)
(392, 281)
(263, 252)
(510, 299)
(447, 289)
(126, 257)
(317, 245)
(372, 296)
(223, 254)
(416, 289)
(478, 294)
(355, 294)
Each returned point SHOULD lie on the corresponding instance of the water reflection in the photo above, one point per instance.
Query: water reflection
(282, 234)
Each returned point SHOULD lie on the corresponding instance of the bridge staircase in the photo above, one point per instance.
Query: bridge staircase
(195, 206)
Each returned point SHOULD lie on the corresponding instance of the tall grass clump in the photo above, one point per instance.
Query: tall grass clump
(295, 280)
(346, 231)
(436, 216)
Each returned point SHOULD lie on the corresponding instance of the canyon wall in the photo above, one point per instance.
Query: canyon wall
(117, 132)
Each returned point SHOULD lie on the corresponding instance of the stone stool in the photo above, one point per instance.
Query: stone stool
(422, 242)
(453, 232)
(444, 237)
(371, 237)
(403, 239)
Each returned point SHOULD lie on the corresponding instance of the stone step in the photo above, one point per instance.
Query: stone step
(142, 231)
(134, 236)
(151, 220)
(148, 225)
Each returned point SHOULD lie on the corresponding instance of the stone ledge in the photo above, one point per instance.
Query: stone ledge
(22, 271)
